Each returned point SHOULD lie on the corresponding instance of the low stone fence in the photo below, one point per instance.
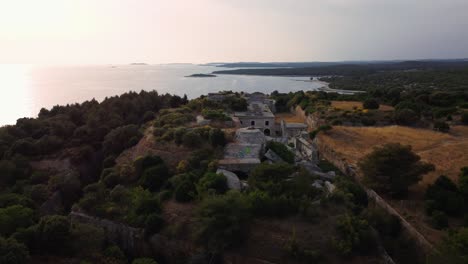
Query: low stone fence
(129, 239)
(329, 154)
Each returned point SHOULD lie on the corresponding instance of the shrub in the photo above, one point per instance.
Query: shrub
(370, 104)
(439, 220)
(109, 162)
(212, 181)
(392, 168)
(14, 217)
(354, 235)
(153, 224)
(368, 121)
(406, 117)
(191, 139)
(114, 252)
(154, 178)
(111, 178)
(217, 115)
(217, 137)
(185, 191)
(39, 193)
(441, 126)
(54, 232)
(444, 196)
(120, 139)
(87, 240)
(12, 252)
(464, 118)
(453, 249)
(144, 261)
(142, 163)
(222, 221)
(281, 150)
(463, 182)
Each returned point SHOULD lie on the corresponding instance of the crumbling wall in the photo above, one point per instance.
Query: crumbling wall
(313, 121)
(133, 241)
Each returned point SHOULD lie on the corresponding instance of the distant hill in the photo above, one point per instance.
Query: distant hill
(325, 68)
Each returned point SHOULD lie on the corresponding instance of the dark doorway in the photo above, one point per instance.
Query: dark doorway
(267, 132)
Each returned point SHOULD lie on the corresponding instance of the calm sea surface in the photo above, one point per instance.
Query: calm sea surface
(25, 89)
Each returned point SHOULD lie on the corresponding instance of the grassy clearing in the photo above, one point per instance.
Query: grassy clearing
(448, 152)
(351, 105)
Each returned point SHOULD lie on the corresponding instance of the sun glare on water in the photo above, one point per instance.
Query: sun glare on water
(15, 99)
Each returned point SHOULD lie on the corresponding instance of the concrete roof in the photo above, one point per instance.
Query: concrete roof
(250, 136)
(257, 110)
(242, 151)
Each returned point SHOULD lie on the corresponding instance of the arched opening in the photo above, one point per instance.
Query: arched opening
(267, 132)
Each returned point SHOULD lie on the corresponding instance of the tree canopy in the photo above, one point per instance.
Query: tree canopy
(392, 168)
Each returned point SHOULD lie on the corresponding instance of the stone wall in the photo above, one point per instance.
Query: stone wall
(329, 154)
(313, 121)
(133, 241)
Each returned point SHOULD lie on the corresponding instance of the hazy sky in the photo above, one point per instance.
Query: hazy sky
(162, 31)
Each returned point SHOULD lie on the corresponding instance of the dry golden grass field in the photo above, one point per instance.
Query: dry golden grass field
(350, 105)
(448, 152)
(288, 117)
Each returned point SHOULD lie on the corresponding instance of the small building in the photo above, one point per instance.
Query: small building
(259, 116)
(245, 153)
(292, 129)
(241, 157)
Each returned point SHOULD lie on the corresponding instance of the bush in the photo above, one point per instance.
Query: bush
(54, 232)
(281, 150)
(12, 252)
(444, 196)
(439, 220)
(144, 261)
(441, 126)
(370, 104)
(185, 191)
(464, 118)
(39, 193)
(222, 221)
(354, 235)
(406, 117)
(368, 121)
(111, 178)
(153, 224)
(14, 217)
(120, 139)
(191, 139)
(87, 240)
(155, 177)
(212, 181)
(217, 137)
(115, 252)
(217, 115)
(392, 168)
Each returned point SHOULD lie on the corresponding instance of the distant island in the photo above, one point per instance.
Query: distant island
(139, 63)
(201, 75)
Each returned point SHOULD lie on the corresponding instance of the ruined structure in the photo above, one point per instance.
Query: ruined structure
(245, 153)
